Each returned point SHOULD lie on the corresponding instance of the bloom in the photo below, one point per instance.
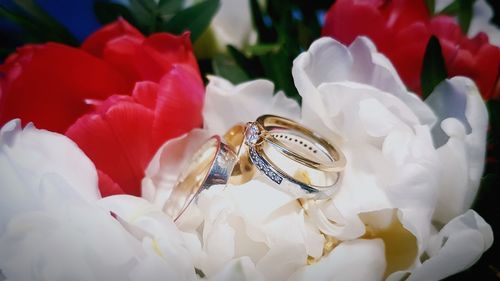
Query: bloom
(231, 25)
(397, 184)
(119, 97)
(401, 30)
(401, 211)
(54, 226)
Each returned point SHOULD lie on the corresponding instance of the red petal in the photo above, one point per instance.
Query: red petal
(347, 20)
(169, 49)
(145, 93)
(401, 13)
(97, 41)
(118, 141)
(151, 58)
(408, 58)
(179, 104)
(122, 54)
(165, 49)
(48, 85)
(107, 186)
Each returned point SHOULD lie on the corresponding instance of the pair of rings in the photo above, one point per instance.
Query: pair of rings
(279, 148)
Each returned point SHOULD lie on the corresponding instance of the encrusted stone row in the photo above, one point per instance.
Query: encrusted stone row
(263, 166)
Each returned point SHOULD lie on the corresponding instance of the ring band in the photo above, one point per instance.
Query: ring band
(212, 164)
(336, 160)
(283, 149)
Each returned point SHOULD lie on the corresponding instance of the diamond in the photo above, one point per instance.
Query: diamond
(252, 134)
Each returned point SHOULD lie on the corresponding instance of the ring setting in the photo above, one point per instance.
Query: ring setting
(277, 147)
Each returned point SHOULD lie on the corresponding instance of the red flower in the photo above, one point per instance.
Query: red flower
(119, 97)
(401, 30)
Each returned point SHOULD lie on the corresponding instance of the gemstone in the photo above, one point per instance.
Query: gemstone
(252, 134)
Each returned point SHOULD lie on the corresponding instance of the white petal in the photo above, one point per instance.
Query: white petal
(281, 261)
(373, 68)
(65, 231)
(157, 231)
(27, 156)
(455, 248)
(232, 25)
(350, 261)
(482, 22)
(325, 61)
(227, 105)
(241, 269)
(461, 139)
(328, 61)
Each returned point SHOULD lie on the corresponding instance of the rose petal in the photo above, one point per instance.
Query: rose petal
(179, 104)
(97, 42)
(54, 97)
(118, 141)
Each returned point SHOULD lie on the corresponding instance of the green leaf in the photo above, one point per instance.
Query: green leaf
(18, 19)
(434, 67)
(452, 9)
(277, 67)
(463, 10)
(107, 12)
(465, 15)
(431, 4)
(148, 6)
(196, 19)
(225, 66)
(262, 49)
(37, 24)
(144, 13)
(251, 66)
(169, 6)
(41, 18)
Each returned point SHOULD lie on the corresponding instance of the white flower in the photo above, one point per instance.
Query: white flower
(481, 20)
(398, 150)
(52, 227)
(399, 187)
(402, 209)
(231, 25)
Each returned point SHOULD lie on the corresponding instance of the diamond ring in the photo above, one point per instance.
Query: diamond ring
(282, 149)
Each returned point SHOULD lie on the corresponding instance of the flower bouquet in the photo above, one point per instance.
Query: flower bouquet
(249, 140)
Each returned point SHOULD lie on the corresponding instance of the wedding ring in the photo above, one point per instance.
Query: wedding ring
(212, 164)
(282, 131)
(282, 149)
(244, 170)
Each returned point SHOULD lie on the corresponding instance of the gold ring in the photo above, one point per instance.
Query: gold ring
(278, 130)
(281, 149)
(212, 164)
